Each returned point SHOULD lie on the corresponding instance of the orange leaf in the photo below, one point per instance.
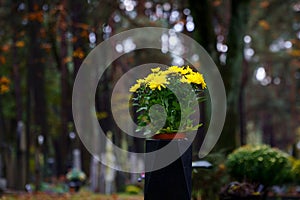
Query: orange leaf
(295, 52)
(46, 46)
(20, 44)
(4, 89)
(82, 26)
(74, 39)
(5, 47)
(217, 3)
(43, 33)
(22, 33)
(4, 80)
(35, 16)
(264, 24)
(35, 7)
(264, 4)
(84, 34)
(78, 53)
(67, 59)
(2, 60)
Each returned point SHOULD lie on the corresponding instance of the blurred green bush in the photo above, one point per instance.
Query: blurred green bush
(133, 189)
(260, 164)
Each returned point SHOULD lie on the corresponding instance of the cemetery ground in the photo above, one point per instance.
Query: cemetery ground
(82, 195)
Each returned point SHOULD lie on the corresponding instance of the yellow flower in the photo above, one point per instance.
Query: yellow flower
(149, 78)
(189, 70)
(184, 71)
(158, 81)
(180, 70)
(155, 70)
(184, 80)
(174, 69)
(140, 81)
(196, 78)
(135, 87)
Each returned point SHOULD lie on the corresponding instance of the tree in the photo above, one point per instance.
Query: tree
(232, 72)
(231, 26)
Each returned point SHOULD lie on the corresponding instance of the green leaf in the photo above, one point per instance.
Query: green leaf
(141, 109)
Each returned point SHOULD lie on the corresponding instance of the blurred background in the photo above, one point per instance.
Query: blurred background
(255, 44)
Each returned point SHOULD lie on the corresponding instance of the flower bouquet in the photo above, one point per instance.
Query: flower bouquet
(168, 88)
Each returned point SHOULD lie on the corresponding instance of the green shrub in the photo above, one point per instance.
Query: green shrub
(296, 170)
(259, 164)
(132, 189)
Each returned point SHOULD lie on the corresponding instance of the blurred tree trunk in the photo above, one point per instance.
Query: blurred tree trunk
(242, 110)
(205, 36)
(79, 26)
(63, 140)
(20, 178)
(232, 73)
(57, 30)
(21, 153)
(204, 30)
(2, 127)
(36, 82)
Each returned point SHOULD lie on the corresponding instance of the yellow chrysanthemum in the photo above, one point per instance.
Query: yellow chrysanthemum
(188, 70)
(149, 78)
(180, 70)
(155, 70)
(174, 69)
(158, 79)
(135, 87)
(184, 71)
(196, 78)
(158, 82)
(140, 81)
(184, 80)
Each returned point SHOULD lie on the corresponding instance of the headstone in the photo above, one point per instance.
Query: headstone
(51, 167)
(76, 159)
(21, 157)
(133, 168)
(102, 176)
(3, 182)
(140, 166)
(22, 135)
(110, 173)
(94, 174)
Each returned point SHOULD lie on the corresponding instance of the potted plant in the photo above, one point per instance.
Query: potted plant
(261, 166)
(165, 102)
(164, 87)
